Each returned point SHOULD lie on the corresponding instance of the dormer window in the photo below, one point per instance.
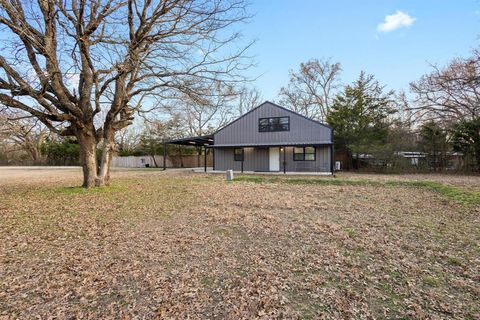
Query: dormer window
(274, 124)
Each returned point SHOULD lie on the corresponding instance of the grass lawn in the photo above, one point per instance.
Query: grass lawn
(182, 245)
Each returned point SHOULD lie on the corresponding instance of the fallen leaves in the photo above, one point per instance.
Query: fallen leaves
(176, 245)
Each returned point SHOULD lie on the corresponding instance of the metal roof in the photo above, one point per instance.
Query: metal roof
(199, 141)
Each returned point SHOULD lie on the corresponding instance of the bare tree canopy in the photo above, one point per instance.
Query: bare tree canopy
(451, 93)
(202, 115)
(247, 99)
(22, 132)
(84, 67)
(312, 88)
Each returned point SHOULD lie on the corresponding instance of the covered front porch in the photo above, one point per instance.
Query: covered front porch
(275, 158)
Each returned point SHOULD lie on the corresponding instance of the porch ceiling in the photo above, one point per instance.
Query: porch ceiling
(200, 141)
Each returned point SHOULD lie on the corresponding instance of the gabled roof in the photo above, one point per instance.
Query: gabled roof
(275, 105)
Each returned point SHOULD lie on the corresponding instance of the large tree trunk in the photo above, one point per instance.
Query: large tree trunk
(88, 146)
(103, 176)
(154, 160)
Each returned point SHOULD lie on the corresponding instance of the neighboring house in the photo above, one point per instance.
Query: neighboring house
(415, 157)
(270, 138)
(448, 160)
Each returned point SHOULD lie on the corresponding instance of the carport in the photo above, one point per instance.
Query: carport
(199, 142)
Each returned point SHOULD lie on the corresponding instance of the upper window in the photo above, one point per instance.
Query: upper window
(304, 153)
(274, 124)
(238, 154)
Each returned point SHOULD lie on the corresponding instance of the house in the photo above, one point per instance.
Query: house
(418, 160)
(270, 138)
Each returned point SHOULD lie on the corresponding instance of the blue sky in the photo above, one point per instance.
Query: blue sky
(291, 32)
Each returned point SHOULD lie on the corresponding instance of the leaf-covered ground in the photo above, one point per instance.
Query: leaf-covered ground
(181, 245)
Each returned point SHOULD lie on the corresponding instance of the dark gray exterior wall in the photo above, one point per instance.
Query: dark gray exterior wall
(257, 159)
(321, 163)
(244, 131)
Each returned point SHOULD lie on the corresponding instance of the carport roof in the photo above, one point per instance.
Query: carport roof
(199, 141)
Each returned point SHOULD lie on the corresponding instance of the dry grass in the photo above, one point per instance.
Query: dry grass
(179, 245)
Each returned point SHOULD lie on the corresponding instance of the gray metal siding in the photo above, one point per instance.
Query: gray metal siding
(224, 160)
(321, 163)
(257, 159)
(244, 131)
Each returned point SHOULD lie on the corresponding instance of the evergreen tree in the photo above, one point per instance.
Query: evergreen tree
(466, 139)
(433, 140)
(360, 115)
(64, 151)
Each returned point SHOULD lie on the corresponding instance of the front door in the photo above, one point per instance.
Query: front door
(274, 155)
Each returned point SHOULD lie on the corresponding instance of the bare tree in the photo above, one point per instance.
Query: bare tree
(449, 94)
(155, 133)
(84, 67)
(127, 139)
(23, 132)
(199, 116)
(247, 99)
(312, 88)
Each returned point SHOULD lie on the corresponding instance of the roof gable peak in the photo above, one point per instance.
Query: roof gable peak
(266, 102)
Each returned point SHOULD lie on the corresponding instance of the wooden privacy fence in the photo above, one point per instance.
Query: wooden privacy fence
(183, 161)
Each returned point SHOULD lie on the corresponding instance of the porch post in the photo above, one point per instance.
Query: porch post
(205, 158)
(164, 156)
(213, 156)
(284, 161)
(332, 160)
(243, 157)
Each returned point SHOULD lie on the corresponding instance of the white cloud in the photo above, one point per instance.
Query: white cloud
(395, 21)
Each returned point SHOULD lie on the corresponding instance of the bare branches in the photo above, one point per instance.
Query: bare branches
(312, 89)
(247, 99)
(202, 114)
(80, 64)
(22, 131)
(146, 46)
(451, 93)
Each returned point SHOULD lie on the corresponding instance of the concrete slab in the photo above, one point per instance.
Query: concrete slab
(291, 173)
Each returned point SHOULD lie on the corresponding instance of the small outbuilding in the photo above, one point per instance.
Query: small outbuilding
(270, 138)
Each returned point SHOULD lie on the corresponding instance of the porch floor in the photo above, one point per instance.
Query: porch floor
(295, 173)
